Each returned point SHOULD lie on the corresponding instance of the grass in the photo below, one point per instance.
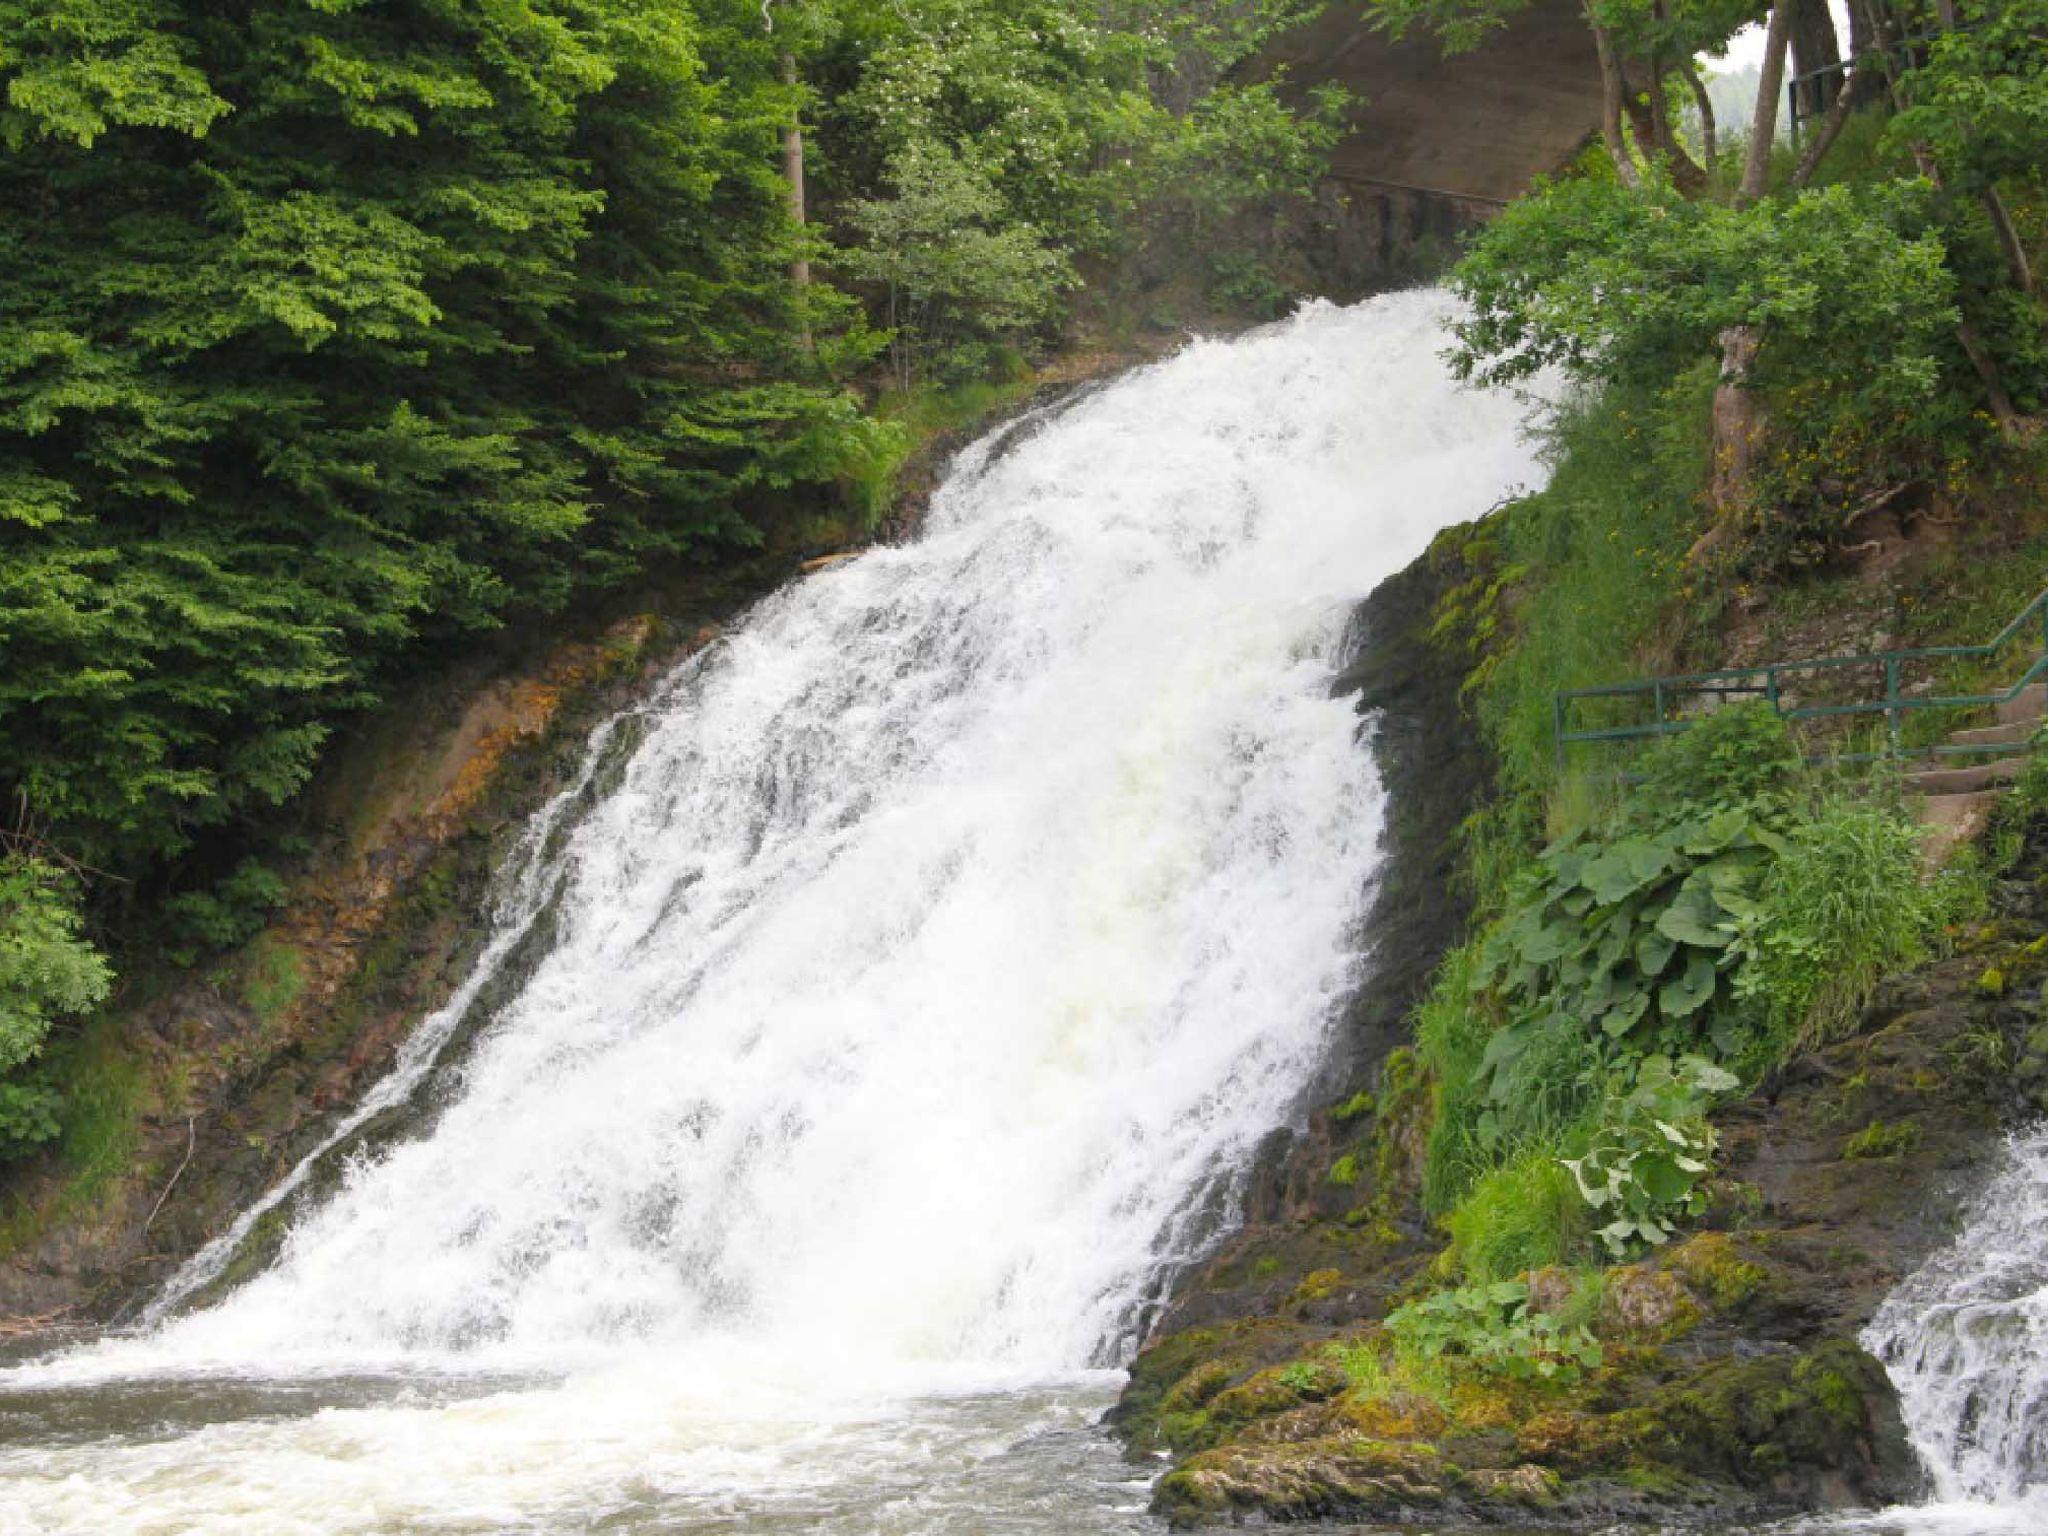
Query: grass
(1604, 546)
(1524, 1215)
(1843, 907)
(1450, 1037)
(104, 1086)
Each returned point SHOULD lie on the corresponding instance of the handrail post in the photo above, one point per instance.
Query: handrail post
(1557, 728)
(1657, 692)
(1891, 699)
(1771, 689)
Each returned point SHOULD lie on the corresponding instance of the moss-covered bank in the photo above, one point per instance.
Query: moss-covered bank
(1730, 1380)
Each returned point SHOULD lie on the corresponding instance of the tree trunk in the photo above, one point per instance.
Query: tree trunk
(1613, 92)
(1866, 37)
(1738, 423)
(1763, 128)
(793, 171)
(2009, 241)
(1815, 46)
(1709, 140)
(1685, 172)
(2011, 424)
(1738, 415)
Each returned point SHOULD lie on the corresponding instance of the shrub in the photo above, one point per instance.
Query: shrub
(232, 912)
(47, 971)
(1738, 757)
(1647, 1165)
(1492, 1328)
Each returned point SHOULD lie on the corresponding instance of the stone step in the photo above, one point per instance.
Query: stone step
(2011, 733)
(1964, 781)
(2029, 704)
(1952, 820)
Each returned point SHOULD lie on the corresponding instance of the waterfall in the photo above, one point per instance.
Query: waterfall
(914, 986)
(1965, 1340)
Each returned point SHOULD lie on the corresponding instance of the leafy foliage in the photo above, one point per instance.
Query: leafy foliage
(330, 331)
(1646, 1168)
(1979, 99)
(1493, 1328)
(47, 972)
(1606, 281)
(1631, 938)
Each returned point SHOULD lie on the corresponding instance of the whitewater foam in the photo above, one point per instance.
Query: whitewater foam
(1965, 1341)
(910, 1004)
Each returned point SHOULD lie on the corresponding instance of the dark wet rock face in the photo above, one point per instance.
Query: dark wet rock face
(1731, 1385)
(1299, 1223)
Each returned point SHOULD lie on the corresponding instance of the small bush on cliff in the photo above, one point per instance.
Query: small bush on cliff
(1647, 1166)
(47, 972)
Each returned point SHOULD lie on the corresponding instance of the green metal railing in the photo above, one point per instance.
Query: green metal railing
(1767, 681)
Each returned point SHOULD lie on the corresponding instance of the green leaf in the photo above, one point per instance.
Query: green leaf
(1690, 991)
(1625, 868)
(1625, 1015)
(1695, 916)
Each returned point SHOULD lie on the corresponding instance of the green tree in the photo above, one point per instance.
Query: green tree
(47, 972)
(329, 331)
(959, 280)
(1093, 133)
(1979, 106)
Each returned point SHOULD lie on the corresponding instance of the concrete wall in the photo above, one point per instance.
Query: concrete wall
(1477, 127)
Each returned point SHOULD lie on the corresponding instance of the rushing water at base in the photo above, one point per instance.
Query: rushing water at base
(1965, 1341)
(892, 1016)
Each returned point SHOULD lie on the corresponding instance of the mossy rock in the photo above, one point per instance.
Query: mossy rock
(1812, 1427)
(1713, 1266)
(1278, 1389)
(1642, 1304)
(1347, 1476)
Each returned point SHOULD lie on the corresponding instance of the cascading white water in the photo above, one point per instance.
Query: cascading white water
(1965, 1340)
(954, 930)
